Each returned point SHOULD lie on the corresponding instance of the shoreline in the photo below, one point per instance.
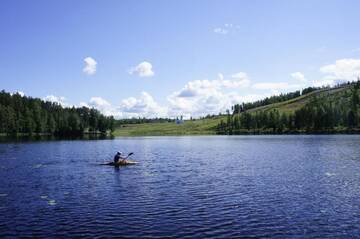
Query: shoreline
(5, 139)
(142, 133)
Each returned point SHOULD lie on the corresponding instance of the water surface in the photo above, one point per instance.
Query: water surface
(215, 186)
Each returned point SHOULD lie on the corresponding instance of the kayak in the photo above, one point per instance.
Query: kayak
(121, 163)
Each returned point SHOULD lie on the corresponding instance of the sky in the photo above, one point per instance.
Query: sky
(170, 58)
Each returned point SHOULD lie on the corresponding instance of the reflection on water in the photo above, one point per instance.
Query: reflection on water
(34, 138)
(219, 186)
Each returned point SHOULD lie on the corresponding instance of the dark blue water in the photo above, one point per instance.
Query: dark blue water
(183, 187)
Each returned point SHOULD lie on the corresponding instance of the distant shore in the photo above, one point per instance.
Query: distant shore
(207, 127)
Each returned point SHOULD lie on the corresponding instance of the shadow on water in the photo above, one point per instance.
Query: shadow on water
(37, 138)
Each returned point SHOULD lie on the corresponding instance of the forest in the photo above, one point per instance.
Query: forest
(323, 113)
(22, 115)
(238, 108)
(142, 120)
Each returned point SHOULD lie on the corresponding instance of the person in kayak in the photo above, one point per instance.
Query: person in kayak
(117, 157)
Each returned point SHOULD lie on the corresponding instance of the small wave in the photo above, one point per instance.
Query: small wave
(38, 165)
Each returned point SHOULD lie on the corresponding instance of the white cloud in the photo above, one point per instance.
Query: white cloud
(90, 66)
(236, 99)
(102, 105)
(204, 87)
(201, 104)
(197, 98)
(56, 99)
(144, 69)
(217, 101)
(323, 82)
(342, 70)
(226, 28)
(298, 76)
(201, 97)
(84, 104)
(197, 87)
(274, 86)
(239, 79)
(98, 101)
(22, 94)
(220, 30)
(143, 106)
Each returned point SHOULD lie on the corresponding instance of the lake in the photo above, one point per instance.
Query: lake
(183, 187)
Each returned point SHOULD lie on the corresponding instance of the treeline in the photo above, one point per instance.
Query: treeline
(26, 115)
(322, 113)
(140, 120)
(238, 108)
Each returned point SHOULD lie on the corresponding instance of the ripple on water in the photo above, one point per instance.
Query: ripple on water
(184, 187)
(37, 165)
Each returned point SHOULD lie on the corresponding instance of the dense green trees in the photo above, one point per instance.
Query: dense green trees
(143, 120)
(322, 113)
(28, 115)
(238, 108)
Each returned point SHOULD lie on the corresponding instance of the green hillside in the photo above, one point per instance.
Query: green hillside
(292, 105)
(209, 125)
(189, 127)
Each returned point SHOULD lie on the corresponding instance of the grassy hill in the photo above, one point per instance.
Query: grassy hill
(292, 105)
(189, 127)
(208, 126)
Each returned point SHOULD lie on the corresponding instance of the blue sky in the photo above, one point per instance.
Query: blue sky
(166, 58)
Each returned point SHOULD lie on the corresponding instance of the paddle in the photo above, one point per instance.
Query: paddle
(121, 158)
(129, 155)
